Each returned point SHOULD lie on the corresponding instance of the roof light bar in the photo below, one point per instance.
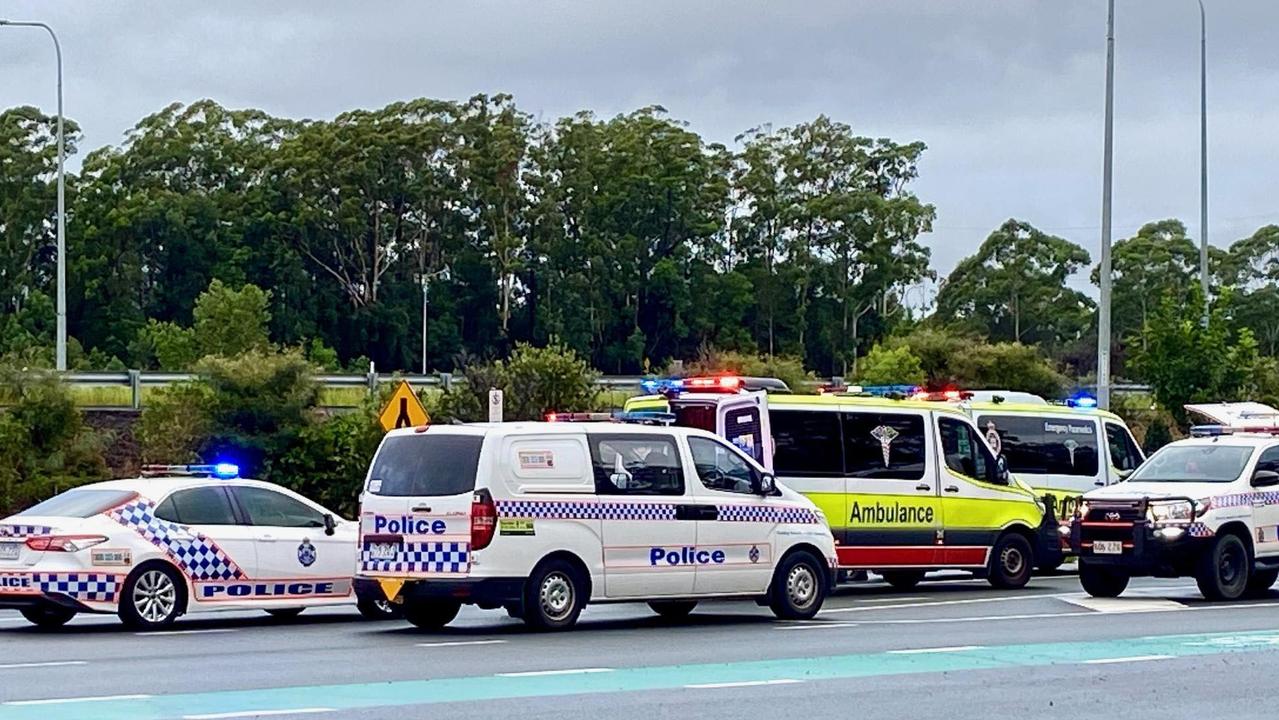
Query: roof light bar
(1202, 431)
(222, 470)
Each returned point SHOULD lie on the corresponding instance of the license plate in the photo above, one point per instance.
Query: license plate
(383, 551)
(1108, 547)
(10, 550)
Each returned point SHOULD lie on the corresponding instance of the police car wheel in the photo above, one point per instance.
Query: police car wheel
(379, 610)
(49, 616)
(553, 596)
(673, 609)
(903, 579)
(1260, 582)
(1011, 561)
(1223, 572)
(799, 588)
(431, 614)
(285, 613)
(1102, 582)
(153, 597)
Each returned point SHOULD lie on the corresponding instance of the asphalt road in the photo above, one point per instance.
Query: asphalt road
(953, 648)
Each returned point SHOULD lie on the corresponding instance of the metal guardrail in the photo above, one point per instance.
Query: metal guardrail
(136, 380)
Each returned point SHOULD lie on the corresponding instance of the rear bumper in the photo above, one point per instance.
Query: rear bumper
(485, 592)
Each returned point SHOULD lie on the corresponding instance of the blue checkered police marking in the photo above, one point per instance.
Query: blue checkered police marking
(88, 587)
(1269, 497)
(197, 556)
(426, 557)
(585, 510)
(24, 530)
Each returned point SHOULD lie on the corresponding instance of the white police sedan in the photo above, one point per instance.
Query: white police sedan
(179, 539)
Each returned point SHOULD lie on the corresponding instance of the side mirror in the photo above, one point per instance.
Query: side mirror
(330, 524)
(1265, 478)
(765, 484)
(620, 478)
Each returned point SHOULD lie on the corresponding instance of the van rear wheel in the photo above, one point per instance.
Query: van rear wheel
(431, 614)
(673, 609)
(554, 596)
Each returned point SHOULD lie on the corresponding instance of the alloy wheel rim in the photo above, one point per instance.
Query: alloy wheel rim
(155, 596)
(556, 596)
(801, 586)
(1012, 560)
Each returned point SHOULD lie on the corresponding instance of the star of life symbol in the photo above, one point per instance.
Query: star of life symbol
(1071, 447)
(754, 553)
(885, 435)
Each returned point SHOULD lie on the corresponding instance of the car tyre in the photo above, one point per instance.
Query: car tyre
(431, 614)
(1224, 569)
(1011, 562)
(1261, 581)
(380, 609)
(153, 597)
(673, 609)
(799, 587)
(1102, 582)
(284, 613)
(48, 617)
(903, 579)
(554, 596)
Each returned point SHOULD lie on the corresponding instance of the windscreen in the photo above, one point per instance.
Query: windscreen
(426, 465)
(1194, 463)
(81, 503)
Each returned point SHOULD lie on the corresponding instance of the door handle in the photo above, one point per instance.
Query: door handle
(923, 487)
(421, 508)
(266, 538)
(951, 488)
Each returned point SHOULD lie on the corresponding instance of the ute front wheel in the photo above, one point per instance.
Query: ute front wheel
(1102, 582)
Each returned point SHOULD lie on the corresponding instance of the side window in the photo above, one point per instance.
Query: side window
(198, 506)
(884, 445)
(964, 450)
(808, 443)
(1269, 460)
(267, 507)
(744, 429)
(719, 468)
(1123, 451)
(1044, 446)
(637, 465)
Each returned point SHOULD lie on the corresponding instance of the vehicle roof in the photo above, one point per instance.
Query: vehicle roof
(543, 428)
(1256, 440)
(1038, 409)
(856, 401)
(154, 487)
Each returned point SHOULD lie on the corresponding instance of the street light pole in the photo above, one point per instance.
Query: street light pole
(1103, 310)
(1203, 157)
(61, 353)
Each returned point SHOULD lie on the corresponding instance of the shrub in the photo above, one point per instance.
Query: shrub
(890, 366)
(534, 381)
(787, 368)
(329, 458)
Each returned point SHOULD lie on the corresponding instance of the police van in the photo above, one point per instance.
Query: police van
(543, 518)
(909, 486)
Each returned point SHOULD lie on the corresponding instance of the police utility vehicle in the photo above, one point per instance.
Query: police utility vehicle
(1205, 507)
(180, 539)
(909, 485)
(543, 518)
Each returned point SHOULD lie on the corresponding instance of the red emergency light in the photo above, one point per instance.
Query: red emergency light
(720, 383)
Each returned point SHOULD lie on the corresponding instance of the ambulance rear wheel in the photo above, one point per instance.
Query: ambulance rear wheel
(903, 579)
(1102, 582)
(673, 609)
(554, 596)
(153, 597)
(1010, 562)
(799, 587)
(48, 617)
(431, 614)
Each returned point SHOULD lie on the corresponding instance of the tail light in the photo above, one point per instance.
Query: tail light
(483, 520)
(63, 543)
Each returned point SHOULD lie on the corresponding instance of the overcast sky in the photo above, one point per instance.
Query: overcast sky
(1008, 94)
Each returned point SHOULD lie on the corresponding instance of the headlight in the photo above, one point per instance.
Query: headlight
(1164, 512)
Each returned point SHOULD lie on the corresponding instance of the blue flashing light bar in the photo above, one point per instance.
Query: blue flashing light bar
(888, 390)
(1081, 400)
(226, 470)
(656, 386)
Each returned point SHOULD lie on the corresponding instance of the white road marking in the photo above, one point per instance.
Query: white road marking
(745, 683)
(460, 643)
(96, 698)
(1111, 605)
(927, 651)
(942, 603)
(816, 626)
(891, 599)
(51, 663)
(542, 673)
(167, 633)
(258, 713)
(1032, 616)
(1133, 658)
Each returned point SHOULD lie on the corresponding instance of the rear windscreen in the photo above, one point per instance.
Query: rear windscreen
(79, 503)
(426, 465)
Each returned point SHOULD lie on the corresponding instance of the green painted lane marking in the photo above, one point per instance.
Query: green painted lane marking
(568, 681)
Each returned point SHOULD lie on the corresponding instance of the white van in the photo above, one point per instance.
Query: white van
(542, 518)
